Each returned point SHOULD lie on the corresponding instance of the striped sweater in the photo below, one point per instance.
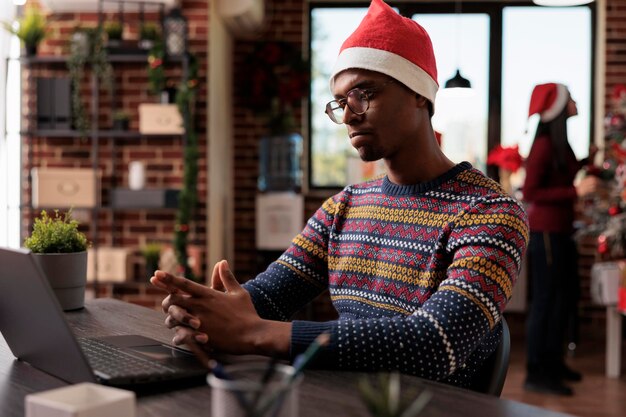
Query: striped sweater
(419, 275)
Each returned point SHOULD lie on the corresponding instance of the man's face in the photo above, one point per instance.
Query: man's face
(388, 124)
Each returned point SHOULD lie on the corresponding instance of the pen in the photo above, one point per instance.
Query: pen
(304, 359)
(267, 376)
(219, 372)
(277, 397)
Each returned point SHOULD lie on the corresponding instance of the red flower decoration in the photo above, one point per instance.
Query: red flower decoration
(614, 210)
(618, 92)
(506, 158)
(277, 79)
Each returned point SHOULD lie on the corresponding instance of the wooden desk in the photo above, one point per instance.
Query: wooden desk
(323, 393)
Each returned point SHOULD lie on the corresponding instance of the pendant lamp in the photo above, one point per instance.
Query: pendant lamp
(458, 81)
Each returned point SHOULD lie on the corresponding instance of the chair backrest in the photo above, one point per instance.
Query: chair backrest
(490, 378)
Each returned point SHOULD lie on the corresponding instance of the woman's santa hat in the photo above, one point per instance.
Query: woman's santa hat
(548, 100)
(394, 45)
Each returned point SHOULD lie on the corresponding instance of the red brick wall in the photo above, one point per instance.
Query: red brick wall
(163, 156)
(286, 23)
(615, 45)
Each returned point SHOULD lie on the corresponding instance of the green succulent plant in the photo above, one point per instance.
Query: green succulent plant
(31, 28)
(56, 234)
(151, 252)
(149, 32)
(113, 30)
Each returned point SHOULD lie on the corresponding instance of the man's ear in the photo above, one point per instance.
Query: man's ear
(424, 103)
(421, 100)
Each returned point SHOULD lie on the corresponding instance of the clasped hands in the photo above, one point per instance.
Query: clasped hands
(221, 317)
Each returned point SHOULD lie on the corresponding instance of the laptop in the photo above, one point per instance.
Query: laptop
(34, 326)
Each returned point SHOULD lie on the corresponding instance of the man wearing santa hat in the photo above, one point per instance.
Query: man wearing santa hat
(549, 189)
(419, 263)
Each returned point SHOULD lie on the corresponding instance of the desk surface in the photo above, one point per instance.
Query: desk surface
(323, 393)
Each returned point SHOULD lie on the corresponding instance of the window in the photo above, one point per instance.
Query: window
(10, 141)
(559, 43)
(492, 45)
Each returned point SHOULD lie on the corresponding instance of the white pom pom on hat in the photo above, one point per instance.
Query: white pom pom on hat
(394, 45)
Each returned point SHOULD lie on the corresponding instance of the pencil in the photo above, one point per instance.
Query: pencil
(277, 396)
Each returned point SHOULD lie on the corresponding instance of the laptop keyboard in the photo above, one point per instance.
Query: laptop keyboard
(109, 361)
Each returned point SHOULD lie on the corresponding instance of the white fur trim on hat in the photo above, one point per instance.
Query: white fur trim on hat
(389, 64)
(562, 98)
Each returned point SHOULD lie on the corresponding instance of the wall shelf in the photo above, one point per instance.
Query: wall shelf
(114, 59)
(104, 134)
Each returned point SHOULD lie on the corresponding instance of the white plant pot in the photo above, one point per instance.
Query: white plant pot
(67, 275)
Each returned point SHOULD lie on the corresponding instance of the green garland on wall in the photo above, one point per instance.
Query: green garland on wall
(188, 198)
(87, 47)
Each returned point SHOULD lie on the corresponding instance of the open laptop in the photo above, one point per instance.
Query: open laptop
(34, 326)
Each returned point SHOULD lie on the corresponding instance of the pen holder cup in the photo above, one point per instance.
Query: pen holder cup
(241, 391)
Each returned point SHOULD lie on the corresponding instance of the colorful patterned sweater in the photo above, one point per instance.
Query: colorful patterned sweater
(419, 275)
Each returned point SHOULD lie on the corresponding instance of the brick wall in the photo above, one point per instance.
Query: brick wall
(162, 156)
(286, 23)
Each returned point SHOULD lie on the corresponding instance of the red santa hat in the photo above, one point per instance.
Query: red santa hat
(548, 100)
(394, 45)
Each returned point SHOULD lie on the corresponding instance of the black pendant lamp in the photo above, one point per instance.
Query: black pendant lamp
(458, 81)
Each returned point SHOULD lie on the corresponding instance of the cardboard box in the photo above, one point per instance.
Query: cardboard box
(64, 187)
(605, 281)
(81, 400)
(160, 119)
(114, 264)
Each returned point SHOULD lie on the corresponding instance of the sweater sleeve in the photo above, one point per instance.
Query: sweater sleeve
(484, 247)
(299, 274)
(538, 166)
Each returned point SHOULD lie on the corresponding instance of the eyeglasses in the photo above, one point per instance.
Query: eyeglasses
(357, 100)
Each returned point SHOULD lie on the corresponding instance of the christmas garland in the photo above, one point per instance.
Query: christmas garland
(185, 101)
(188, 198)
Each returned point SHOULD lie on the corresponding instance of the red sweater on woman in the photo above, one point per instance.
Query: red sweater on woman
(549, 190)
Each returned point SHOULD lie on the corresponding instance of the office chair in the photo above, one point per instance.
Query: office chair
(490, 378)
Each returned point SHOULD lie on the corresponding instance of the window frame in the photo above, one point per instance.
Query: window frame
(495, 12)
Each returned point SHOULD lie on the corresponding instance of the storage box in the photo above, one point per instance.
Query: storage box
(605, 282)
(81, 400)
(148, 198)
(64, 187)
(114, 264)
(160, 119)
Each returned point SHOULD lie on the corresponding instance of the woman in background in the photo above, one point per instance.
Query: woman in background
(551, 195)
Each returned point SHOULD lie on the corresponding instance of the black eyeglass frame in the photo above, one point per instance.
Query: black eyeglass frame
(364, 93)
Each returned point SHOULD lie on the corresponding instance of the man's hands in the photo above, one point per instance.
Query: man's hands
(221, 317)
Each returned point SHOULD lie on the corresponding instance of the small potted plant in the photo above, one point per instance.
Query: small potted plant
(61, 251)
(151, 253)
(30, 29)
(148, 35)
(121, 120)
(114, 32)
